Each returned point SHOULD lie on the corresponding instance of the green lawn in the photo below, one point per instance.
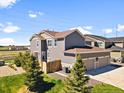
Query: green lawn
(9, 61)
(105, 88)
(12, 84)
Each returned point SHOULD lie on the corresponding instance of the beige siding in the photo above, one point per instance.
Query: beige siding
(122, 53)
(120, 44)
(46, 36)
(36, 50)
(56, 52)
(74, 40)
(115, 54)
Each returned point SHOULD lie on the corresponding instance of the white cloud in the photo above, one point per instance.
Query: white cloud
(9, 28)
(108, 30)
(120, 27)
(33, 14)
(82, 30)
(1, 25)
(7, 3)
(88, 27)
(7, 41)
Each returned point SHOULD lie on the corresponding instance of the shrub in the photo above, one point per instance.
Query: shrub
(17, 62)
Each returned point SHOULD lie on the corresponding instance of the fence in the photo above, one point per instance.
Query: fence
(52, 66)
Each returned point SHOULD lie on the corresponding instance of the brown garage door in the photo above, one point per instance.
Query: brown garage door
(89, 63)
(103, 61)
(92, 63)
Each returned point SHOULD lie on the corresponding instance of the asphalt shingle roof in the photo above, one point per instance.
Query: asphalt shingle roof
(117, 39)
(101, 38)
(116, 48)
(86, 50)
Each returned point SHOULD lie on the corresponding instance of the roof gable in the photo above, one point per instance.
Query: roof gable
(36, 35)
(57, 35)
(95, 37)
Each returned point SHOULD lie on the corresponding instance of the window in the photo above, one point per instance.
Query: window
(100, 43)
(55, 42)
(37, 43)
(49, 42)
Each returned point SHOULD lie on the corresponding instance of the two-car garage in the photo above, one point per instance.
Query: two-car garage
(96, 62)
(93, 58)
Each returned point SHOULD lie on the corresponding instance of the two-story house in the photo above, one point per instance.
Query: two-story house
(118, 50)
(98, 41)
(51, 45)
(118, 41)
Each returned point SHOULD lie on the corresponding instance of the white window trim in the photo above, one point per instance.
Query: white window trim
(37, 43)
(54, 43)
(48, 44)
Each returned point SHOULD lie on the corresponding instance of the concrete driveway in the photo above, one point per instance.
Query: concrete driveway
(110, 74)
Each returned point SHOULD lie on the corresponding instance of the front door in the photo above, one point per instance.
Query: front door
(43, 55)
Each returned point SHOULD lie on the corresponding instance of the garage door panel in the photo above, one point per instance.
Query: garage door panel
(89, 63)
(103, 61)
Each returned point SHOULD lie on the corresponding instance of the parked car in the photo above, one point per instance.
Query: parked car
(122, 60)
(2, 63)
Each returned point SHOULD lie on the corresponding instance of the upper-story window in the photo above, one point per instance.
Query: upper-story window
(37, 43)
(55, 42)
(100, 43)
(49, 42)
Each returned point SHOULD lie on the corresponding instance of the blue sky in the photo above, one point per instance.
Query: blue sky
(19, 19)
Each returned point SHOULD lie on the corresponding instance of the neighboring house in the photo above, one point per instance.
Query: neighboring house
(16, 48)
(51, 45)
(117, 54)
(98, 41)
(118, 41)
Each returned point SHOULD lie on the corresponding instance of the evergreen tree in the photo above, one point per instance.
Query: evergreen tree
(26, 60)
(34, 77)
(77, 81)
(18, 60)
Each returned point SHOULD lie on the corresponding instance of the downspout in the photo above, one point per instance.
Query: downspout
(75, 54)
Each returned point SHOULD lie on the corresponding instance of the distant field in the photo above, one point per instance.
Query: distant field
(9, 54)
(3, 48)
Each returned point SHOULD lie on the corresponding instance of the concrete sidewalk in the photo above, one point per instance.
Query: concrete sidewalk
(61, 75)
